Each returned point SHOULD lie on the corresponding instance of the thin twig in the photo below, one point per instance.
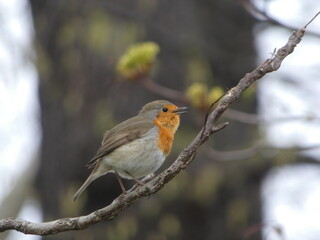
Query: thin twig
(164, 91)
(257, 148)
(263, 15)
(312, 20)
(234, 155)
(208, 112)
(254, 119)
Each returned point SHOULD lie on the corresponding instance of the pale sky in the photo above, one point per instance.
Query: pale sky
(291, 194)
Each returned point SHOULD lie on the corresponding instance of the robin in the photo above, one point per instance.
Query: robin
(138, 146)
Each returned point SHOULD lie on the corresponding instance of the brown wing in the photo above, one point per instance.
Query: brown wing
(122, 134)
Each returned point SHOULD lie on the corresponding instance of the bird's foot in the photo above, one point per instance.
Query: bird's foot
(135, 179)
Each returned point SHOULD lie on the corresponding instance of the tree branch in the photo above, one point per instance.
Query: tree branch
(254, 119)
(184, 159)
(260, 145)
(262, 15)
(164, 91)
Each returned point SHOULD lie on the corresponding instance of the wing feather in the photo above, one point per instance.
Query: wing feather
(123, 133)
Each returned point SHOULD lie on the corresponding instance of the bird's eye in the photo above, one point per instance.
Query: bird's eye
(164, 109)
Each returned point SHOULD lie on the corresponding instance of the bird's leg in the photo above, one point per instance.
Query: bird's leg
(121, 183)
(134, 178)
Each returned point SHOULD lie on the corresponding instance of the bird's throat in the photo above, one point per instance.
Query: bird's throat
(166, 131)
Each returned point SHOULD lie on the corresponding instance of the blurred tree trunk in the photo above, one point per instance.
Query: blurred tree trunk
(77, 46)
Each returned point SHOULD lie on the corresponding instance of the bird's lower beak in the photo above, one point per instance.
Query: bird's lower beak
(180, 110)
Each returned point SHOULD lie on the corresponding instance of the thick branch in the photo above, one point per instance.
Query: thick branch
(184, 159)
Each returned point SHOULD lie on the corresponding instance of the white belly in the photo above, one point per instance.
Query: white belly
(140, 157)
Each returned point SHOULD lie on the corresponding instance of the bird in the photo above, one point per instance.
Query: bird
(138, 146)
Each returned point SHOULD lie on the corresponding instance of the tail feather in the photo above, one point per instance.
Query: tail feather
(84, 186)
(96, 172)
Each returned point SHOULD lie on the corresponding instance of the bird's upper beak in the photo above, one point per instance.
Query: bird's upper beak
(180, 110)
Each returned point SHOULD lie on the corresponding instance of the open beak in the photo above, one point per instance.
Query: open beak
(180, 110)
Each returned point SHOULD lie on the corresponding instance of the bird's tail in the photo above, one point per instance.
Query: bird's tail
(93, 176)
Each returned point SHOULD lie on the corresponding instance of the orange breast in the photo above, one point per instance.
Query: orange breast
(167, 126)
(165, 139)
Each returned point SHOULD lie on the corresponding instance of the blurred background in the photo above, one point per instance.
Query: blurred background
(70, 70)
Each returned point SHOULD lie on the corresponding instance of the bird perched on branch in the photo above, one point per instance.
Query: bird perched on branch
(138, 146)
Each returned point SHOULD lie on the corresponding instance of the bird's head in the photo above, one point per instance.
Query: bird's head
(163, 113)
